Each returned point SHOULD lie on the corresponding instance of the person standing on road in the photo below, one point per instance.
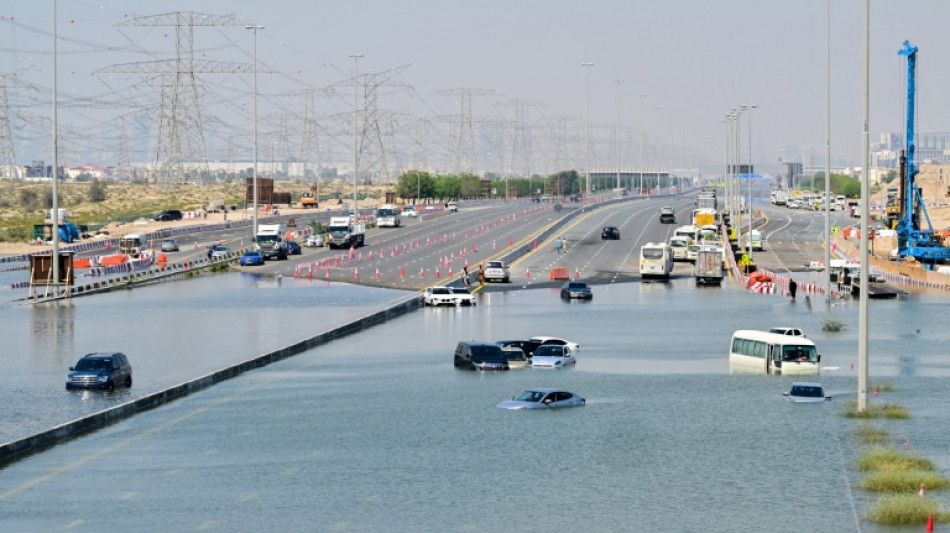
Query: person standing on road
(465, 276)
(792, 288)
(481, 274)
(558, 245)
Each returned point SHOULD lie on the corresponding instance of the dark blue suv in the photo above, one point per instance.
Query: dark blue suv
(100, 371)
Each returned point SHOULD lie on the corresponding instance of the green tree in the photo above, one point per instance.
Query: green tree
(470, 186)
(414, 184)
(97, 191)
(852, 189)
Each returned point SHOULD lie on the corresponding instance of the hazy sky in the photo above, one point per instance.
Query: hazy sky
(695, 58)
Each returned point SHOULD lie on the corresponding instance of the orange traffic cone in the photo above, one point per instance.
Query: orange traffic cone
(356, 273)
(377, 273)
(402, 273)
(527, 272)
(930, 524)
(437, 273)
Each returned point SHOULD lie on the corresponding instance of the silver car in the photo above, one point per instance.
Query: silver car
(169, 245)
(552, 356)
(545, 398)
(806, 392)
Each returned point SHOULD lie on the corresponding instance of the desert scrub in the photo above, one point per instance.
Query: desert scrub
(831, 324)
(887, 410)
(870, 434)
(879, 458)
(905, 510)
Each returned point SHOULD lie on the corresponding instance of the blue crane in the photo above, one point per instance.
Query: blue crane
(923, 245)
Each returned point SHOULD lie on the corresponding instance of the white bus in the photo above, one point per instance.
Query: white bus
(389, 216)
(761, 352)
(656, 260)
(687, 231)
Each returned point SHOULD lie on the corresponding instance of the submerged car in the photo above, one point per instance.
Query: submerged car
(553, 356)
(782, 330)
(806, 392)
(515, 356)
(610, 233)
(479, 356)
(556, 341)
(463, 296)
(434, 296)
(528, 347)
(106, 370)
(545, 398)
(576, 289)
(251, 257)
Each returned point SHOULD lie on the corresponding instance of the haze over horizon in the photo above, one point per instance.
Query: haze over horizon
(691, 61)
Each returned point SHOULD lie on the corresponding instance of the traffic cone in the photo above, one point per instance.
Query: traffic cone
(327, 273)
(402, 273)
(510, 243)
(356, 273)
(527, 272)
(474, 250)
(536, 244)
(377, 273)
(310, 273)
(577, 273)
(422, 272)
(359, 258)
(453, 236)
(370, 255)
(437, 275)
(930, 524)
(493, 246)
(466, 234)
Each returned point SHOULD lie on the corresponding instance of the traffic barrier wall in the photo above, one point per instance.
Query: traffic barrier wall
(18, 449)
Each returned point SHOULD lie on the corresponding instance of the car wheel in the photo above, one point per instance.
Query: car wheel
(128, 382)
(111, 386)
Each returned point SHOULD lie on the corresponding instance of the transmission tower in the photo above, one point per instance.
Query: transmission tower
(466, 154)
(181, 136)
(8, 166)
(371, 144)
(520, 146)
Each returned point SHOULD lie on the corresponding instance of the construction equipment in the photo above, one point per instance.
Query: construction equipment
(912, 241)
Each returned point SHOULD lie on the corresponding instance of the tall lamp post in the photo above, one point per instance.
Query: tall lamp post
(659, 135)
(749, 108)
(827, 274)
(587, 157)
(619, 102)
(356, 119)
(643, 142)
(255, 29)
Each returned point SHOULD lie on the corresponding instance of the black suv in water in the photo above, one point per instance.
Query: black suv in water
(100, 371)
(168, 214)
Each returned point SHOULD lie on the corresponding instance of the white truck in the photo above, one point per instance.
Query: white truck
(344, 232)
(270, 241)
(779, 197)
(708, 269)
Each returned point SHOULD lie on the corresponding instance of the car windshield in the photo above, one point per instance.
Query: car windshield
(801, 354)
(93, 365)
(806, 391)
(487, 353)
(549, 351)
(441, 290)
(515, 355)
(576, 285)
(385, 212)
(460, 290)
(530, 396)
(495, 264)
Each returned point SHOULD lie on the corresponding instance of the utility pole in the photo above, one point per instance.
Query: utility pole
(356, 119)
(255, 29)
(619, 102)
(587, 158)
(827, 274)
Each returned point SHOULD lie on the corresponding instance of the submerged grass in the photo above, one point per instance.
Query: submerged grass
(906, 510)
(870, 434)
(905, 481)
(887, 410)
(884, 386)
(879, 458)
(831, 324)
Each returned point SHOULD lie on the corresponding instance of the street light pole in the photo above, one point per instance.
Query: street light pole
(643, 141)
(827, 275)
(255, 29)
(659, 139)
(356, 119)
(587, 157)
(865, 191)
(619, 102)
(749, 108)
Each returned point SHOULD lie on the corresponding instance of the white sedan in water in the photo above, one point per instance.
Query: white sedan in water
(556, 341)
(543, 399)
(552, 356)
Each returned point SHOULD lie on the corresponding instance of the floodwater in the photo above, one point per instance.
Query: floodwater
(378, 431)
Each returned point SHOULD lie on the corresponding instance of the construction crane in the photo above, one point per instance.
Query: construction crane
(912, 241)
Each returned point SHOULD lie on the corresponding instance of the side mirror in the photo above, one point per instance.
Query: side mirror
(71, 369)
(819, 358)
(784, 394)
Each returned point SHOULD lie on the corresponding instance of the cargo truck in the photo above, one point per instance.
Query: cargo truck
(271, 241)
(344, 232)
(708, 270)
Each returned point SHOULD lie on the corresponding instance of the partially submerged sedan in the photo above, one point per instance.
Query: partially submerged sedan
(545, 398)
(553, 356)
(806, 392)
(463, 296)
(576, 290)
(435, 296)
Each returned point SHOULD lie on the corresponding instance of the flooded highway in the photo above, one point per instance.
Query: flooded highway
(378, 431)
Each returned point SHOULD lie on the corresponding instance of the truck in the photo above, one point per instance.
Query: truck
(68, 232)
(779, 197)
(133, 244)
(708, 270)
(704, 217)
(270, 241)
(344, 232)
(389, 215)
